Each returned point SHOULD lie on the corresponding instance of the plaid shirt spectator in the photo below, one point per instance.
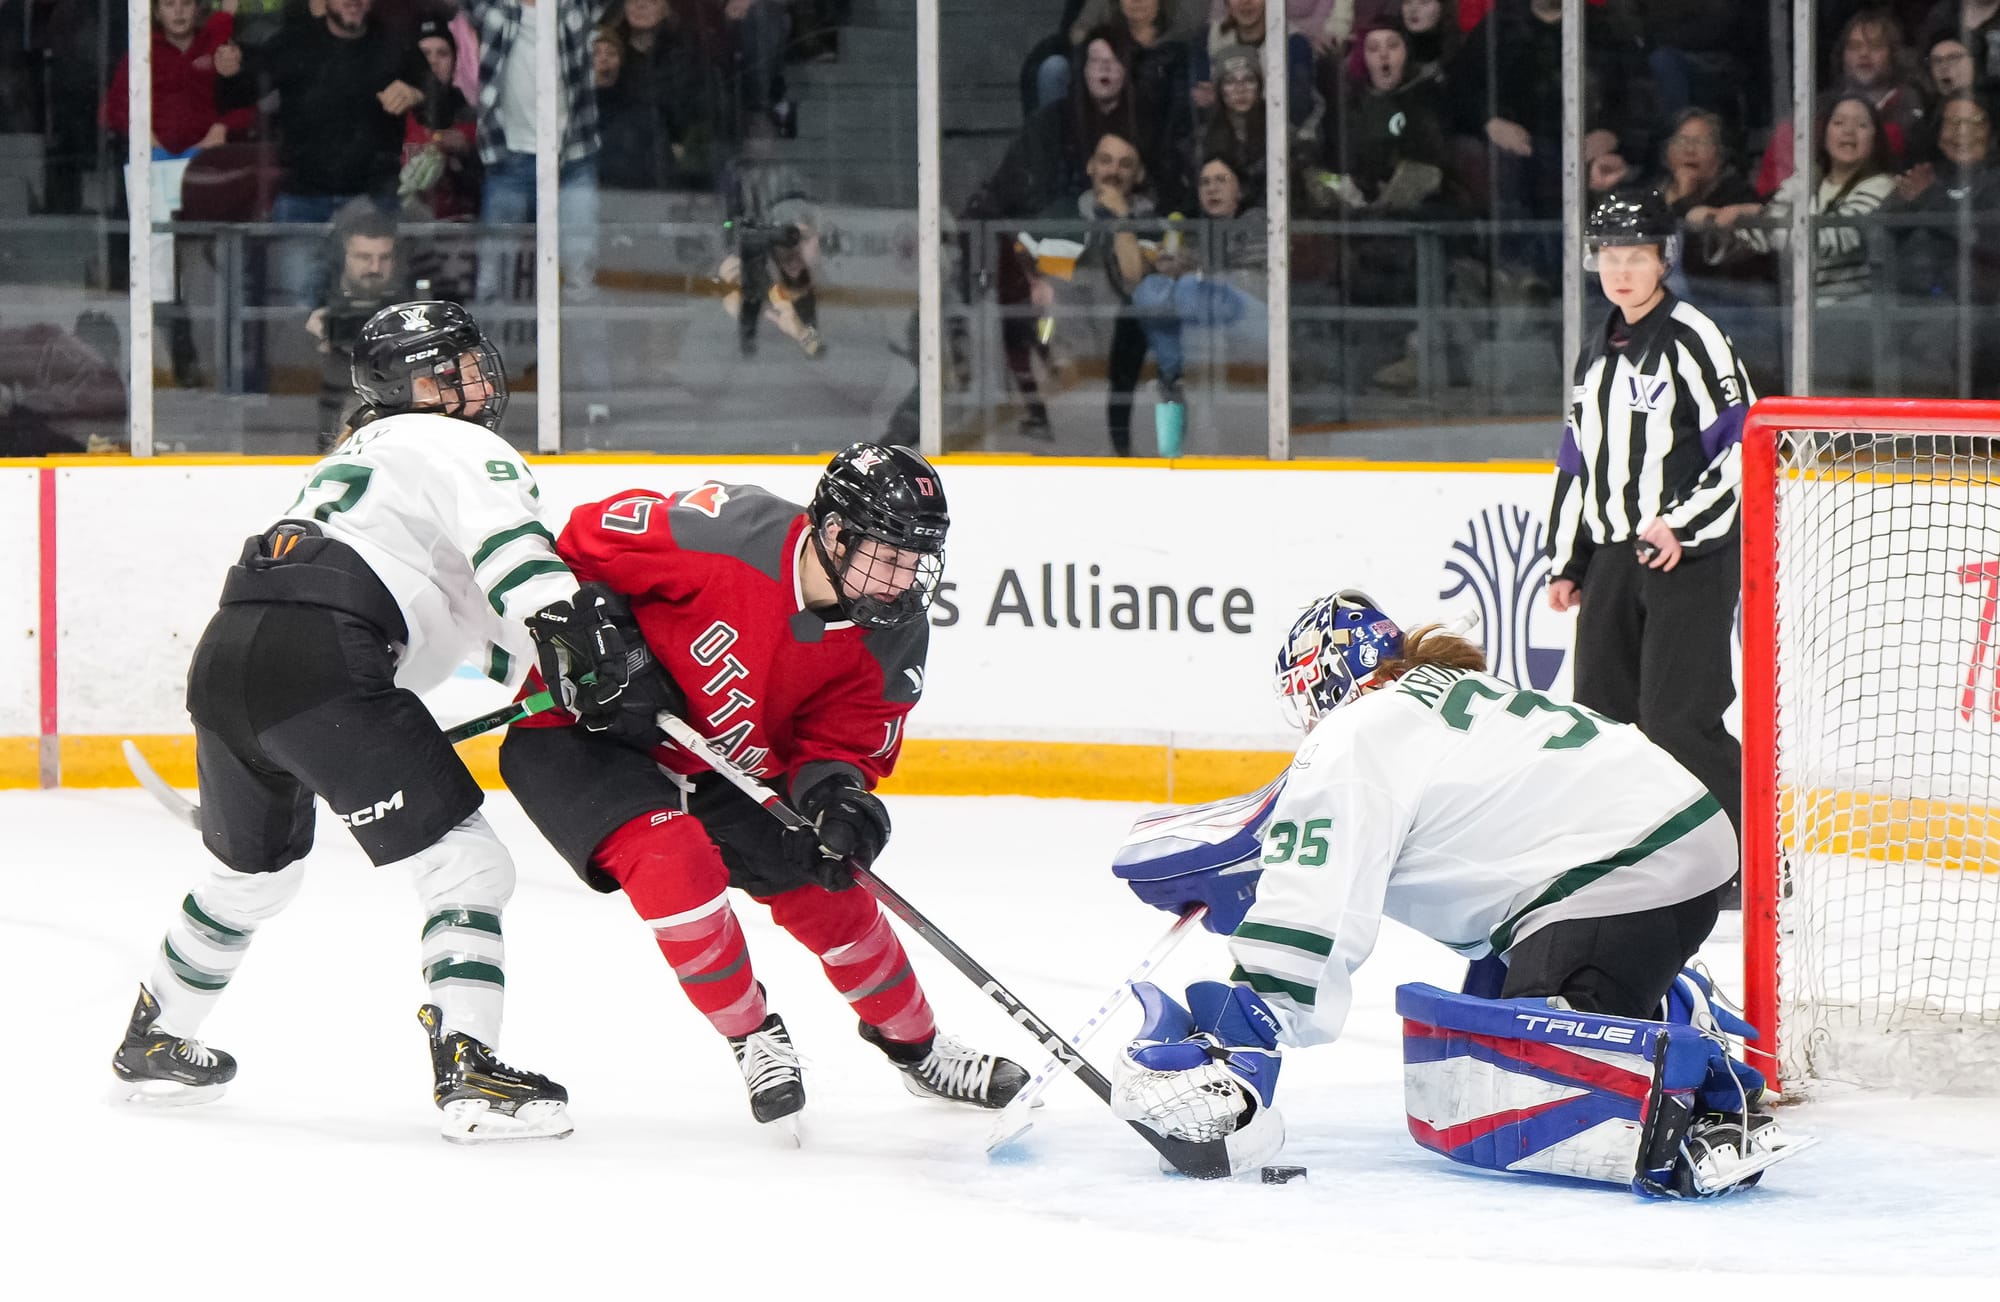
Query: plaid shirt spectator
(496, 22)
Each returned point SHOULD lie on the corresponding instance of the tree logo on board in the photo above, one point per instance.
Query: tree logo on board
(1501, 565)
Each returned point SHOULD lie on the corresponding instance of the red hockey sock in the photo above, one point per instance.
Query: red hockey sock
(862, 957)
(677, 882)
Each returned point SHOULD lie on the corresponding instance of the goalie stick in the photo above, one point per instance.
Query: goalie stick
(188, 812)
(1205, 1161)
(1014, 1121)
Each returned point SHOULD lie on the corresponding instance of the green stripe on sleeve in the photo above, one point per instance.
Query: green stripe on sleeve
(1309, 942)
(1265, 984)
(498, 664)
(1577, 878)
(517, 576)
(505, 536)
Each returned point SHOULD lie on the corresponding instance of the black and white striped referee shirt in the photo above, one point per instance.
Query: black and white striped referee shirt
(1655, 429)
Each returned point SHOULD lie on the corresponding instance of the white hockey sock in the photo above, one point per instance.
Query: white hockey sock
(209, 937)
(464, 881)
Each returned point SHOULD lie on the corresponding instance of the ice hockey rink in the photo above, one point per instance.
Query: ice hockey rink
(321, 1173)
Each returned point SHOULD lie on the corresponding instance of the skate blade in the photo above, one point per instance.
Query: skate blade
(164, 1093)
(786, 1131)
(1739, 1171)
(473, 1121)
(1007, 1132)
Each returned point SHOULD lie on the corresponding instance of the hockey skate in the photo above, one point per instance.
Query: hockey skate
(167, 1070)
(1719, 1156)
(945, 1069)
(483, 1099)
(770, 1067)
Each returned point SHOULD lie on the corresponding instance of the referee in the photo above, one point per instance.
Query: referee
(1645, 518)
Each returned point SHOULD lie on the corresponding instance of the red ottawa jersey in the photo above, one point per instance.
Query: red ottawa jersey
(711, 574)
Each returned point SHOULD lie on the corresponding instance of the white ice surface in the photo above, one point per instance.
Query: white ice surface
(321, 1174)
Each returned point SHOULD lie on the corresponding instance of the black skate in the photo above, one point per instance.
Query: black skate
(770, 1067)
(483, 1099)
(155, 1067)
(945, 1069)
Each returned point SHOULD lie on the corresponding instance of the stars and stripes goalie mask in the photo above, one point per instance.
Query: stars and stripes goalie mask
(1331, 654)
(878, 526)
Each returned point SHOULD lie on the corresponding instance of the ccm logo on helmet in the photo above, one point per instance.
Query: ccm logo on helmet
(420, 356)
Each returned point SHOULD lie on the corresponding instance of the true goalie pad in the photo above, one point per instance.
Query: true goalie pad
(1174, 859)
(1517, 1085)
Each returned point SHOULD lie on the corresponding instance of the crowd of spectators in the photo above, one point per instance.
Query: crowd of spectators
(1450, 113)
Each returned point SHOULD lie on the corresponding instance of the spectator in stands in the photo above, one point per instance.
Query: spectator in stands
(1391, 144)
(1698, 183)
(441, 178)
(1976, 23)
(1950, 67)
(185, 113)
(1850, 182)
(1431, 29)
(636, 148)
(344, 83)
(1115, 197)
(1168, 26)
(668, 96)
(1871, 63)
(757, 30)
(1954, 257)
(1242, 23)
(364, 241)
(1144, 34)
(1233, 128)
(1211, 277)
(508, 35)
(186, 119)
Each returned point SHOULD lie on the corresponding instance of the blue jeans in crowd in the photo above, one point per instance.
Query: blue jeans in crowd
(1168, 305)
(509, 200)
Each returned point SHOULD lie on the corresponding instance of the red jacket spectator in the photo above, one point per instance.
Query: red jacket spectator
(184, 108)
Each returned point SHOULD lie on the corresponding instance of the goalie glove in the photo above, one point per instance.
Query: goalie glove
(1205, 1072)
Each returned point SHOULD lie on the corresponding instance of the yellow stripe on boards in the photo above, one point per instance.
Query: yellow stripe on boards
(20, 762)
(1060, 770)
(1316, 465)
(1888, 829)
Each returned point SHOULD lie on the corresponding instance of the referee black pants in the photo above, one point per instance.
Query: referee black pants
(1652, 648)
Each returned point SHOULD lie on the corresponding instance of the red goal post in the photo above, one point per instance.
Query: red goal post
(1871, 871)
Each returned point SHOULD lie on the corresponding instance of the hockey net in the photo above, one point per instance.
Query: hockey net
(1871, 731)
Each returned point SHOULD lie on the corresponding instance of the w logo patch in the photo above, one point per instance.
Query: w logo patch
(1646, 392)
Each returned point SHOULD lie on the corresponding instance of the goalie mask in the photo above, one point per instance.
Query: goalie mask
(429, 356)
(878, 525)
(1331, 654)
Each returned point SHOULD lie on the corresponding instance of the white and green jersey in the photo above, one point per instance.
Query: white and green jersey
(1473, 812)
(447, 515)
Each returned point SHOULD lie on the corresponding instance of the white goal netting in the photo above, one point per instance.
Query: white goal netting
(1888, 760)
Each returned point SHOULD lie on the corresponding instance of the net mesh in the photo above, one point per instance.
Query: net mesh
(1887, 583)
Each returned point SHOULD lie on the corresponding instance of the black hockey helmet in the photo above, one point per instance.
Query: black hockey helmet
(894, 497)
(411, 347)
(1630, 217)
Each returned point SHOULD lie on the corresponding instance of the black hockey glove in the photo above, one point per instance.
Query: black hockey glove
(851, 823)
(596, 661)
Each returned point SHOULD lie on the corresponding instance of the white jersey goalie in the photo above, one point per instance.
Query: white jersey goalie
(1575, 861)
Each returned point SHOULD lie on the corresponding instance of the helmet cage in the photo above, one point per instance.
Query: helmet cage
(1331, 655)
(861, 568)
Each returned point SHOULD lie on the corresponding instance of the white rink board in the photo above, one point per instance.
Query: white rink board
(20, 599)
(144, 549)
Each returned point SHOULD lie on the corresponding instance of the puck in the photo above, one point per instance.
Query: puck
(1283, 1174)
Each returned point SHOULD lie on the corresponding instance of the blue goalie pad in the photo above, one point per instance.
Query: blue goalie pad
(1516, 1085)
(1174, 859)
(1732, 1085)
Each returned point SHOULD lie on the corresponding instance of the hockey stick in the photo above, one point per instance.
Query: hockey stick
(188, 812)
(1014, 1121)
(1205, 1161)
